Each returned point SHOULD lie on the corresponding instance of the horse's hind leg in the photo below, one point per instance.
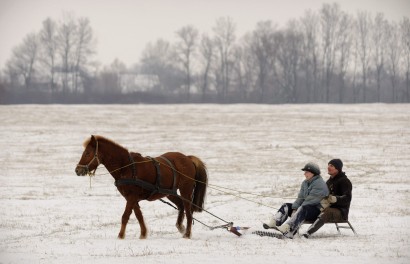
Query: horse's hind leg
(125, 218)
(188, 212)
(140, 218)
(178, 202)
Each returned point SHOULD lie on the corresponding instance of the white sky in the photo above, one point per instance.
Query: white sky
(124, 27)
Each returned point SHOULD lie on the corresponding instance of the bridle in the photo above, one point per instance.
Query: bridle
(89, 163)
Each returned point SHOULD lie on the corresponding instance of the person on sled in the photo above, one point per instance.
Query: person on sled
(290, 216)
(336, 205)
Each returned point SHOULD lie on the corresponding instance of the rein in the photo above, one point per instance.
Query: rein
(120, 168)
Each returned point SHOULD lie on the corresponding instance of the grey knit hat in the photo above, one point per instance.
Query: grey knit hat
(312, 167)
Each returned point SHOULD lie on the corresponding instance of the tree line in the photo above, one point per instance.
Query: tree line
(325, 56)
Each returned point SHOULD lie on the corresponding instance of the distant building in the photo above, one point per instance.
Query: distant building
(131, 82)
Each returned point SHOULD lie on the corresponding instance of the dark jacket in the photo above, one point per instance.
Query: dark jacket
(341, 187)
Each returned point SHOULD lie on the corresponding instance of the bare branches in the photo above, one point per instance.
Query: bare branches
(326, 56)
(186, 50)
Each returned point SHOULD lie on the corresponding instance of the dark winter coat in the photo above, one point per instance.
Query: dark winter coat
(341, 187)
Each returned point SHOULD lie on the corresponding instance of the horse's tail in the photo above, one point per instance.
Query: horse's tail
(201, 178)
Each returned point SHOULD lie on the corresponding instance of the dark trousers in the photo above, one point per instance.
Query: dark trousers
(328, 215)
(305, 212)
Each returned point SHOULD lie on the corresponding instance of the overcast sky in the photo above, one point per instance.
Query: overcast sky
(124, 27)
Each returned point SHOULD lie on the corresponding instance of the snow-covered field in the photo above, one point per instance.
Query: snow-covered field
(49, 215)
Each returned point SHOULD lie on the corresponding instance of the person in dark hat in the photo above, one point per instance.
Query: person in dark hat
(336, 206)
(290, 216)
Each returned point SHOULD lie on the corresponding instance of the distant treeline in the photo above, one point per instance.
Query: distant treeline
(326, 56)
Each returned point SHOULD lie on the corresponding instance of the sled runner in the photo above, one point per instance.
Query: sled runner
(338, 226)
(269, 234)
(276, 234)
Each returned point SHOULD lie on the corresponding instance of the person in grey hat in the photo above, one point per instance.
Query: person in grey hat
(336, 206)
(290, 216)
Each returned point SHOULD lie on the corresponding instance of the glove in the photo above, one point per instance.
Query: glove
(324, 203)
(332, 199)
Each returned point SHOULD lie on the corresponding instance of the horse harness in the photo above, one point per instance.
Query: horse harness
(153, 188)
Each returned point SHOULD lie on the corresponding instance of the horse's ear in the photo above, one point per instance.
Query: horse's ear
(93, 140)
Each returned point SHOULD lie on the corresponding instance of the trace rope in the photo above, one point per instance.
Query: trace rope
(228, 225)
(212, 186)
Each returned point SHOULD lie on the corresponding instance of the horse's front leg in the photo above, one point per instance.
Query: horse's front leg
(125, 217)
(140, 218)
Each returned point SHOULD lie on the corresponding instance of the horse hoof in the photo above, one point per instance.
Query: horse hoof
(181, 229)
(121, 236)
(187, 236)
(143, 236)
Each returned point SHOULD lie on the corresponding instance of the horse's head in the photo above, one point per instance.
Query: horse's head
(89, 160)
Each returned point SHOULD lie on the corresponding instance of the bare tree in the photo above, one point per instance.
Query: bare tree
(282, 67)
(295, 40)
(3, 93)
(207, 54)
(344, 45)
(379, 42)
(289, 44)
(186, 50)
(405, 30)
(157, 59)
(364, 27)
(263, 48)
(393, 55)
(309, 27)
(239, 77)
(355, 70)
(330, 19)
(23, 59)
(84, 48)
(113, 74)
(224, 38)
(66, 44)
(249, 71)
(48, 38)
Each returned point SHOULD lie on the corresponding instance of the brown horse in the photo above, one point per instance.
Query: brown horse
(143, 178)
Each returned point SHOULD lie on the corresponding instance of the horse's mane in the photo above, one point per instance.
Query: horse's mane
(103, 139)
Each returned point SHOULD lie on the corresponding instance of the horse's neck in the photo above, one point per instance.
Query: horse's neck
(115, 157)
(137, 157)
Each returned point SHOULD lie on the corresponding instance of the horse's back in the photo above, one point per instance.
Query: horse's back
(181, 162)
(176, 157)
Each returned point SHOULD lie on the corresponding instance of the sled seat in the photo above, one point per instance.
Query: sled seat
(338, 226)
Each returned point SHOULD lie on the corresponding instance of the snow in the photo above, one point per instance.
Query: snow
(50, 215)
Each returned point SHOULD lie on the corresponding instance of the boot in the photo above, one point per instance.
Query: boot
(270, 224)
(285, 228)
(286, 231)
